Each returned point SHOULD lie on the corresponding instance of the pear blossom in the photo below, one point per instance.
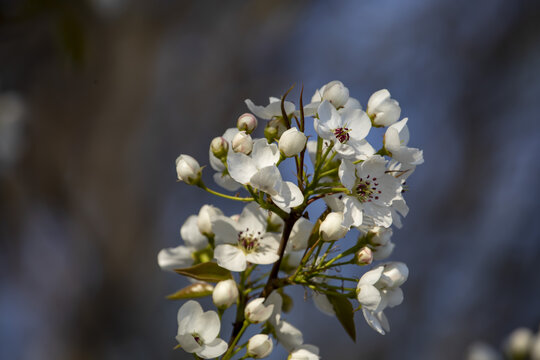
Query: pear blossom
(332, 227)
(336, 94)
(380, 288)
(382, 109)
(246, 122)
(204, 219)
(259, 346)
(300, 233)
(188, 169)
(371, 190)
(198, 331)
(222, 178)
(257, 311)
(260, 171)
(292, 142)
(305, 352)
(396, 139)
(245, 240)
(225, 294)
(346, 129)
(364, 256)
(272, 110)
(242, 143)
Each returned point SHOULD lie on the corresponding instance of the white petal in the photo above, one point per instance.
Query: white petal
(274, 299)
(259, 111)
(213, 349)
(252, 218)
(323, 304)
(372, 276)
(267, 179)
(373, 321)
(289, 336)
(289, 196)
(382, 216)
(225, 230)
(369, 296)
(191, 234)
(241, 167)
(383, 320)
(408, 155)
(226, 182)
(358, 122)
(188, 343)
(208, 326)
(300, 233)
(394, 297)
(264, 154)
(187, 314)
(174, 258)
(230, 257)
(391, 139)
(266, 251)
(353, 212)
(215, 163)
(347, 174)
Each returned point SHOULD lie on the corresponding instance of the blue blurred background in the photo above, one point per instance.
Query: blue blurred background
(98, 97)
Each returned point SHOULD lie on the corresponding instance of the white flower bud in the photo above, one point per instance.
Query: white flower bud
(225, 294)
(278, 124)
(256, 312)
(336, 93)
(259, 346)
(394, 274)
(519, 343)
(188, 169)
(242, 143)
(305, 352)
(219, 147)
(204, 219)
(300, 233)
(292, 142)
(246, 122)
(331, 228)
(382, 109)
(364, 256)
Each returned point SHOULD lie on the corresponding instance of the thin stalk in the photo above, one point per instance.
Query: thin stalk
(236, 198)
(229, 352)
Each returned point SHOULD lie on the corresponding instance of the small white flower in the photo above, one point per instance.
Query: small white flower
(300, 233)
(242, 143)
(395, 141)
(245, 240)
(346, 129)
(272, 110)
(305, 352)
(260, 171)
(259, 346)
(246, 122)
(256, 311)
(332, 227)
(292, 142)
(188, 169)
(382, 109)
(198, 331)
(204, 220)
(225, 294)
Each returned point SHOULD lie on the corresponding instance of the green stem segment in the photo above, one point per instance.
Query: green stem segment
(230, 351)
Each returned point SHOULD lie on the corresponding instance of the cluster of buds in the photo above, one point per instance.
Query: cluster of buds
(275, 242)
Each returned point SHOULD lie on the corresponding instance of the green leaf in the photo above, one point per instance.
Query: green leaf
(192, 291)
(344, 313)
(208, 271)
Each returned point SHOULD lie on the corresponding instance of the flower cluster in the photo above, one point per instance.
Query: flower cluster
(521, 344)
(274, 243)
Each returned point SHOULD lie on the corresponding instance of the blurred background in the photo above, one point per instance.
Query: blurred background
(98, 98)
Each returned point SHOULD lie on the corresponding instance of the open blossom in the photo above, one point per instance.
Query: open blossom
(396, 139)
(336, 94)
(198, 331)
(346, 129)
(382, 109)
(272, 110)
(260, 171)
(380, 288)
(245, 240)
(371, 190)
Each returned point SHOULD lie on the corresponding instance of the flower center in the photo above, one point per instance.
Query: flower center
(198, 339)
(342, 134)
(248, 240)
(367, 189)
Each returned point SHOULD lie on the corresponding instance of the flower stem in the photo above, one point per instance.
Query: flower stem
(204, 187)
(229, 352)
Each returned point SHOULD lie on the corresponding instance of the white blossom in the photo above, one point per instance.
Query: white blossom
(188, 169)
(245, 240)
(395, 141)
(256, 311)
(259, 346)
(332, 227)
(382, 109)
(292, 142)
(198, 331)
(225, 293)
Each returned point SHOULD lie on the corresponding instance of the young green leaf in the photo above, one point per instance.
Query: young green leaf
(344, 313)
(208, 271)
(192, 291)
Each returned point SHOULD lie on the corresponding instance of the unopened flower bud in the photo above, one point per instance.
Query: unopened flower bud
(394, 274)
(364, 256)
(279, 124)
(256, 312)
(188, 169)
(246, 122)
(219, 147)
(292, 142)
(382, 109)
(519, 343)
(336, 93)
(242, 143)
(332, 227)
(259, 346)
(270, 133)
(225, 294)
(204, 219)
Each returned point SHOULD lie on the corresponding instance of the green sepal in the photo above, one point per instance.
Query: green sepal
(208, 271)
(344, 313)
